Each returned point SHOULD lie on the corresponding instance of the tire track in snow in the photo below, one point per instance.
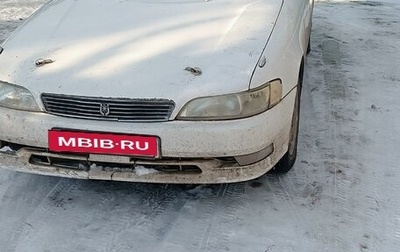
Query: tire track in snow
(51, 205)
(383, 211)
(335, 89)
(27, 194)
(206, 221)
(325, 97)
(330, 116)
(217, 237)
(162, 204)
(206, 237)
(114, 210)
(281, 187)
(350, 177)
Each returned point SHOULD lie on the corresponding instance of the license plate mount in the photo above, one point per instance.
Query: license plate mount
(75, 141)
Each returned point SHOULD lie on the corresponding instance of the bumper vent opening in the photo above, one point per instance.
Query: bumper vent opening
(59, 162)
(85, 165)
(176, 168)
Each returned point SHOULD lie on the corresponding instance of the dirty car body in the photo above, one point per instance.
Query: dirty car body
(164, 91)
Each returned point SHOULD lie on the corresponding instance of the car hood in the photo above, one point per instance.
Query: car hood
(140, 49)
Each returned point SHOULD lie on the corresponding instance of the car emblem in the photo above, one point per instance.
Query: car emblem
(104, 109)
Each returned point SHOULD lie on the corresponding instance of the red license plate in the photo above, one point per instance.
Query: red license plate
(103, 143)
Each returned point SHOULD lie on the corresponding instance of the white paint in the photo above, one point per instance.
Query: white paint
(343, 194)
(140, 47)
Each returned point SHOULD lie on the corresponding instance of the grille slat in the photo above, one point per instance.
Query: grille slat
(120, 109)
(77, 108)
(82, 103)
(125, 107)
(88, 105)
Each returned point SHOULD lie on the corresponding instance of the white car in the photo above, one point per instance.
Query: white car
(165, 91)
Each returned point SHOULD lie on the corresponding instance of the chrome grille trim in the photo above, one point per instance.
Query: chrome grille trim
(121, 109)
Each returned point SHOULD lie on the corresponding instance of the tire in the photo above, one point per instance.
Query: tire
(287, 161)
(309, 45)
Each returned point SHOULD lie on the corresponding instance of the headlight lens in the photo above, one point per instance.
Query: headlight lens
(16, 97)
(233, 106)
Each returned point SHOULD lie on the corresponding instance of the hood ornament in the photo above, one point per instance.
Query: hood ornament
(104, 109)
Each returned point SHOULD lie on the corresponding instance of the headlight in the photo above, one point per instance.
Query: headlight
(233, 106)
(16, 97)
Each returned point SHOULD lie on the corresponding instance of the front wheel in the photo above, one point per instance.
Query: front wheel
(288, 160)
(309, 45)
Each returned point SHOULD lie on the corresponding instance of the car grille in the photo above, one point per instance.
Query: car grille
(110, 109)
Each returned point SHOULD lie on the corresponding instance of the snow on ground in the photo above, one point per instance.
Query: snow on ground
(12, 12)
(342, 195)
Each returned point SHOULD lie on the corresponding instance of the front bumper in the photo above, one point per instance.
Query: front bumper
(211, 170)
(194, 144)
